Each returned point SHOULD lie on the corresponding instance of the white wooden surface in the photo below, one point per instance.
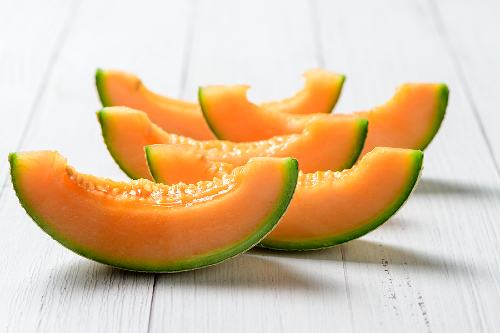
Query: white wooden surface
(432, 268)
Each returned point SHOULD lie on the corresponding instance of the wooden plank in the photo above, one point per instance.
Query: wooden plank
(47, 288)
(28, 50)
(266, 44)
(432, 268)
(469, 31)
(435, 266)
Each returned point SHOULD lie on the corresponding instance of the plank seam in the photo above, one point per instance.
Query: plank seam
(443, 34)
(60, 41)
(346, 283)
(46, 77)
(151, 303)
(188, 45)
(316, 29)
(318, 45)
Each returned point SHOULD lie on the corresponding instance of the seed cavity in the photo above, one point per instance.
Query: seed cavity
(321, 177)
(225, 149)
(143, 190)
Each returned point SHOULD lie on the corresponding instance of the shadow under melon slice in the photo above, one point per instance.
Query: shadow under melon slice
(143, 226)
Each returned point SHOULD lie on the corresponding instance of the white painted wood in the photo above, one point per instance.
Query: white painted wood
(471, 31)
(266, 44)
(44, 287)
(436, 266)
(29, 44)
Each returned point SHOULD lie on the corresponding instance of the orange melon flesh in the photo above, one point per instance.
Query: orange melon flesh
(329, 144)
(232, 117)
(115, 88)
(145, 226)
(171, 164)
(409, 120)
(328, 208)
(176, 116)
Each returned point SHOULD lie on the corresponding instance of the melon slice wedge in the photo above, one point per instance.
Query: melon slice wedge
(409, 120)
(331, 208)
(328, 208)
(333, 143)
(144, 226)
(320, 94)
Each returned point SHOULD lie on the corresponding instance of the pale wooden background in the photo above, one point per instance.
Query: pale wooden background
(434, 267)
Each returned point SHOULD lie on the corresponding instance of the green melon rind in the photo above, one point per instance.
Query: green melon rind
(290, 174)
(100, 77)
(442, 103)
(101, 116)
(150, 162)
(362, 132)
(204, 112)
(315, 244)
(336, 96)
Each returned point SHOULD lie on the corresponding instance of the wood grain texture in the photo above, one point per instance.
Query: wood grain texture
(28, 53)
(432, 268)
(475, 52)
(435, 267)
(249, 42)
(44, 287)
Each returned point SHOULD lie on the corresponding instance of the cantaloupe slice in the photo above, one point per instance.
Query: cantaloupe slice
(320, 93)
(330, 144)
(145, 226)
(409, 120)
(328, 208)
(331, 208)
(117, 88)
